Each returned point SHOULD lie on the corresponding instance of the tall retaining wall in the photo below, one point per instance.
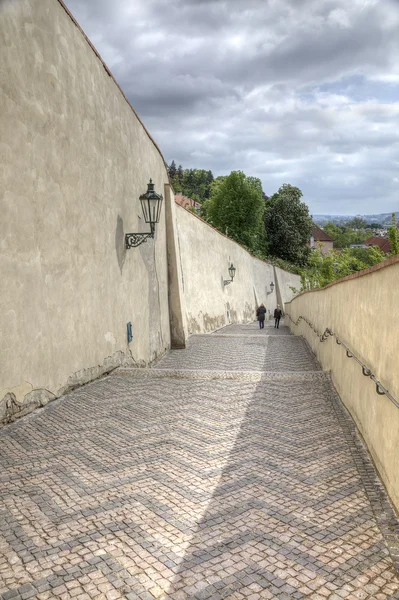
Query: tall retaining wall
(287, 285)
(363, 310)
(205, 256)
(74, 160)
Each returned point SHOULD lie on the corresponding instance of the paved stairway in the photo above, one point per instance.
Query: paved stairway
(230, 470)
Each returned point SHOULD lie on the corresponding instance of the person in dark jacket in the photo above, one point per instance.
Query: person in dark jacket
(277, 316)
(260, 313)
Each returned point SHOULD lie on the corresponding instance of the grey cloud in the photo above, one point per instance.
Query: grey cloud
(235, 85)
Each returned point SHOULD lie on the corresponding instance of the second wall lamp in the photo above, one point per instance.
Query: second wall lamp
(271, 289)
(232, 272)
(151, 204)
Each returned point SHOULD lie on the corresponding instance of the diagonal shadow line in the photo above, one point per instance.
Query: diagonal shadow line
(198, 557)
(209, 559)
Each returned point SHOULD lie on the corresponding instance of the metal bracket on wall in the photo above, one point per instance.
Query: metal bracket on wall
(132, 240)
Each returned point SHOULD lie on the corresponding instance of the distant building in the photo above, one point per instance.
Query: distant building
(320, 239)
(382, 243)
(187, 202)
(380, 232)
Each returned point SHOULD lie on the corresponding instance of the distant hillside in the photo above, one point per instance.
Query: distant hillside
(382, 218)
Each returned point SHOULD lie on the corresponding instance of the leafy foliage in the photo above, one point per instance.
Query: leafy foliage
(321, 269)
(193, 183)
(236, 208)
(344, 235)
(288, 225)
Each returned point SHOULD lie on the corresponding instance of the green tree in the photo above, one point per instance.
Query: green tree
(214, 187)
(369, 256)
(344, 236)
(335, 232)
(236, 208)
(173, 176)
(393, 233)
(195, 183)
(288, 225)
(209, 177)
(172, 169)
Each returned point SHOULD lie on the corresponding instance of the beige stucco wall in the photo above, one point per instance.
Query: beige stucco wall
(205, 256)
(288, 285)
(326, 247)
(74, 159)
(364, 312)
(177, 304)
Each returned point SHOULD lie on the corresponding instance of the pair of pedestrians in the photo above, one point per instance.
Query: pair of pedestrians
(261, 314)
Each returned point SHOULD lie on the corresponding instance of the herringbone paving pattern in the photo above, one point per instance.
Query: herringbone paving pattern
(254, 351)
(219, 481)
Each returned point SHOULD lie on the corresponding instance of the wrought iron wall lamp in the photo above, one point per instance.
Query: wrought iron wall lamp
(151, 204)
(271, 289)
(232, 272)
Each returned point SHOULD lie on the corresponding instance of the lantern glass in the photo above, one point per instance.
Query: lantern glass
(232, 271)
(155, 210)
(145, 208)
(151, 204)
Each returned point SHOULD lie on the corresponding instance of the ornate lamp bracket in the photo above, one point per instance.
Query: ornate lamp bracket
(151, 204)
(132, 240)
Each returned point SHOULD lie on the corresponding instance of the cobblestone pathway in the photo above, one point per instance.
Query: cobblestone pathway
(228, 471)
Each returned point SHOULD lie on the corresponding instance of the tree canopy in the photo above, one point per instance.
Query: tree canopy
(393, 233)
(172, 170)
(288, 225)
(344, 235)
(193, 183)
(236, 208)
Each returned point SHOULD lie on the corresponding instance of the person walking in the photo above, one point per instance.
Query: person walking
(260, 313)
(277, 316)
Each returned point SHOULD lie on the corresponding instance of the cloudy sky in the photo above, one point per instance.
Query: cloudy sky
(291, 91)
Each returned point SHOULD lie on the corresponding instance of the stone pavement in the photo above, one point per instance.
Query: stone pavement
(230, 470)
